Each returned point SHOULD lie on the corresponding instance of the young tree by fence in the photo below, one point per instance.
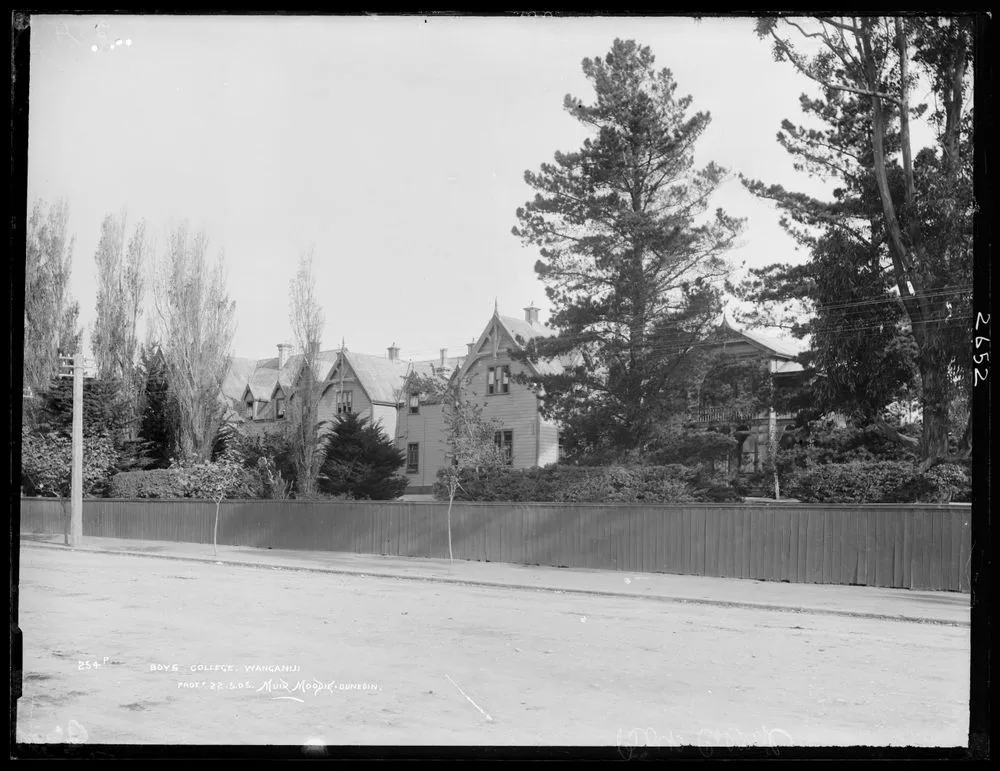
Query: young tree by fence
(470, 439)
(196, 319)
(225, 477)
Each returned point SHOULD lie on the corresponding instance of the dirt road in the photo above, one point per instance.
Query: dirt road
(132, 650)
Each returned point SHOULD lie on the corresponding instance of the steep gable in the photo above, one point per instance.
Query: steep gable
(503, 333)
(381, 378)
(776, 348)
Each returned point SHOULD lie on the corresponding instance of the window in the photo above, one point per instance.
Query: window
(498, 380)
(414, 404)
(412, 457)
(345, 402)
(562, 449)
(250, 409)
(279, 407)
(505, 443)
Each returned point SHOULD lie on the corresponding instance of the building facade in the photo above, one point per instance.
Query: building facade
(487, 377)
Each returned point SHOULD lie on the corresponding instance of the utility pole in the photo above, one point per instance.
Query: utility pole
(772, 430)
(76, 479)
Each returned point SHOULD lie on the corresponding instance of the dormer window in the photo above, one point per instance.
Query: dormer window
(279, 407)
(249, 407)
(498, 380)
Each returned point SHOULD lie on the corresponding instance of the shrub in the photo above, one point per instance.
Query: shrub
(47, 462)
(880, 482)
(151, 483)
(945, 483)
(226, 477)
(319, 495)
(192, 480)
(854, 482)
(574, 484)
(695, 446)
(752, 481)
(360, 461)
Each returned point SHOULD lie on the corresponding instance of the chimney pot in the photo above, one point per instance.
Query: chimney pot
(531, 315)
(444, 355)
(283, 351)
(471, 345)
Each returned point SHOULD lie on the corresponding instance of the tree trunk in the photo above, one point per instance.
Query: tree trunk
(451, 500)
(965, 444)
(934, 405)
(890, 433)
(215, 531)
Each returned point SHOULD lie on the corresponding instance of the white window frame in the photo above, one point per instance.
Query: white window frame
(504, 439)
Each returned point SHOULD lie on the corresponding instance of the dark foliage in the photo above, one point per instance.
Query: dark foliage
(360, 461)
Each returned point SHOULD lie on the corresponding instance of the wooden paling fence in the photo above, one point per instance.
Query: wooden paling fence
(913, 546)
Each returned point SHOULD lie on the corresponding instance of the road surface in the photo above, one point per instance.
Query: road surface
(132, 650)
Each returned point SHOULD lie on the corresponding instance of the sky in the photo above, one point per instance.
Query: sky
(395, 146)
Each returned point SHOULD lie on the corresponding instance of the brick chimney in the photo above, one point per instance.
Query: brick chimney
(472, 346)
(531, 315)
(444, 355)
(313, 350)
(393, 352)
(284, 349)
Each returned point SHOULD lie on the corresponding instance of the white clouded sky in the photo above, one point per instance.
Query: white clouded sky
(397, 145)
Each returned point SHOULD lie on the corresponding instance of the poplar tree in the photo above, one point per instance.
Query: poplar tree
(197, 325)
(50, 313)
(307, 321)
(120, 288)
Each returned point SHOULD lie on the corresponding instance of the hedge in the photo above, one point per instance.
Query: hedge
(573, 484)
(152, 483)
(196, 481)
(879, 482)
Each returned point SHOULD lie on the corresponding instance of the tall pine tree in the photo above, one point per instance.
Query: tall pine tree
(630, 256)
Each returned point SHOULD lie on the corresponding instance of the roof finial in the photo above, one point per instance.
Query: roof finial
(725, 314)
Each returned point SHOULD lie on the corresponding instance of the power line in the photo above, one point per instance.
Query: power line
(671, 343)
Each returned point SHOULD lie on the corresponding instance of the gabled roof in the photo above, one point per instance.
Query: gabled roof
(521, 332)
(781, 347)
(262, 384)
(520, 328)
(262, 376)
(279, 388)
(381, 377)
(432, 367)
(237, 376)
(787, 367)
